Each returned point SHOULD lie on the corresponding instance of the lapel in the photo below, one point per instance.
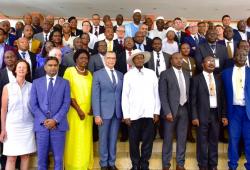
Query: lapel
(99, 60)
(107, 77)
(56, 85)
(5, 76)
(152, 62)
(204, 83)
(217, 86)
(207, 46)
(174, 77)
(43, 87)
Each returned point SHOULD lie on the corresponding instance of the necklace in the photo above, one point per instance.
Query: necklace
(79, 70)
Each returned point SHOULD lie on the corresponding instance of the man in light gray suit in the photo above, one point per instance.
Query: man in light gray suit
(44, 36)
(106, 104)
(174, 96)
(96, 61)
(159, 60)
(68, 58)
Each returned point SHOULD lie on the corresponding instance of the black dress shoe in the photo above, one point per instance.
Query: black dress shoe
(104, 168)
(113, 168)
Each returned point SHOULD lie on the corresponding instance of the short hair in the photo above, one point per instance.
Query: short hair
(87, 22)
(156, 38)
(96, 15)
(177, 18)
(28, 75)
(109, 52)
(201, 22)
(71, 18)
(52, 52)
(203, 59)
(51, 58)
(218, 25)
(185, 43)
(84, 33)
(79, 52)
(119, 15)
(241, 41)
(225, 16)
(4, 32)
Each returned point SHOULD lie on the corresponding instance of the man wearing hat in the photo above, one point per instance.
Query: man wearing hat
(132, 28)
(141, 108)
(159, 31)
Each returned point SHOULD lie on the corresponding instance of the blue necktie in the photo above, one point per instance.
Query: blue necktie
(49, 92)
(23, 55)
(196, 40)
(113, 77)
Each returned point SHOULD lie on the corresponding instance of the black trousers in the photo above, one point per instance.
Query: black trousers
(141, 129)
(207, 141)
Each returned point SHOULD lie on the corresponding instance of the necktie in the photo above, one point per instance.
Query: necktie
(110, 46)
(49, 92)
(121, 43)
(129, 53)
(179, 36)
(46, 37)
(113, 77)
(158, 64)
(196, 40)
(23, 55)
(96, 33)
(229, 50)
(182, 89)
(140, 47)
(213, 46)
(239, 84)
(211, 85)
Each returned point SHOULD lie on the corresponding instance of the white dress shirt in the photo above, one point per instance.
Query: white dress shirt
(127, 56)
(176, 71)
(69, 42)
(156, 33)
(169, 48)
(212, 99)
(140, 96)
(240, 102)
(26, 58)
(48, 80)
(44, 36)
(93, 39)
(243, 35)
(110, 74)
(162, 66)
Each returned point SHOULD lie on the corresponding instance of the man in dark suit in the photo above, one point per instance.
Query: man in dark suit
(139, 39)
(27, 19)
(106, 104)
(44, 35)
(25, 54)
(194, 39)
(96, 61)
(54, 52)
(73, 24)
(241, 33)
(96, 28)
(10, 38)
(243, 44)
(119, 21)
(49, 103)
(147, 41)
(211, 48)
(174, 95)
(236, 81)
(207, 113)
(180, 35)
(6, 76)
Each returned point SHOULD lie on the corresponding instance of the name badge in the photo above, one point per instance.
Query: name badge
(217, 63)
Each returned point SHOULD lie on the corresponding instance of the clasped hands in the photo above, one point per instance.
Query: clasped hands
(50, 123)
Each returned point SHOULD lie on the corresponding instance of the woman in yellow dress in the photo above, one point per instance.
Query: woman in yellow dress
(79, 141)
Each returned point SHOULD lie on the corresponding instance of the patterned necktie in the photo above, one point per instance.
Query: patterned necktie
(211, 85)
(182, 89)
(196, 40)
(157, 65)
(23, 55)
(229, 50)
(129, 54)
(113, 77)
(49, 92)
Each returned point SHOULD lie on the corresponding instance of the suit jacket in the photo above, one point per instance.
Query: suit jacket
(101, 29)
(40, 72)
(68, 59)
(116, 47)
(7, 48)
(151, 64)
(95, 63)
(106, 98)
(200, 104)
(186, 67)
(169, 91)
(77, 33)
(40, 37)
(121, 62)
(37, 29)
(227, 76)
(222, 42)
(3, 81)
(36, 46)
(190, 40)
(59, 106)
(11, 39)
(237, 36)
(33, 61)
(149, 42)
(183, 35)
(146, 47)
(204, 50)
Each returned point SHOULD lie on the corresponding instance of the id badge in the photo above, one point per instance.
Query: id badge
(217, 63)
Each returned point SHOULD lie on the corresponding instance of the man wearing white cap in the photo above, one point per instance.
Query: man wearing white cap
(132, 28)
(159, 31)
(141, 108)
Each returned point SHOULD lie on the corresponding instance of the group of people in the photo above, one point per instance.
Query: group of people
(63, 88)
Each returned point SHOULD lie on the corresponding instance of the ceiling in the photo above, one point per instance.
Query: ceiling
(189, 9)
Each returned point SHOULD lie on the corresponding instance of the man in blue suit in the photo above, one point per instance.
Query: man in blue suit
(106, 104)
(237, 91)
(49, 102)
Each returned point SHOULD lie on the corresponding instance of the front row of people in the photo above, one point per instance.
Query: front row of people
(59, 111)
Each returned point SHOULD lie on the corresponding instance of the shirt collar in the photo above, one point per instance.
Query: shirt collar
(177, 70)
(48, 77)
(108, 69)
(206, 74)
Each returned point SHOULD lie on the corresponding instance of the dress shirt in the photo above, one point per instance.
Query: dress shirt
(156, 33)
(94, 29)
(212, 99)
(169, 48)
(69, 42)
(48, 80)
(11, 77)
(140, 46)
(240, 102)
(26, 58)
(140, 96)
(162, 66)
(44, 36)
(1, 54)
(243, 35)
(176, 71)
(127, 56)
(110, 74)
(231, 44)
